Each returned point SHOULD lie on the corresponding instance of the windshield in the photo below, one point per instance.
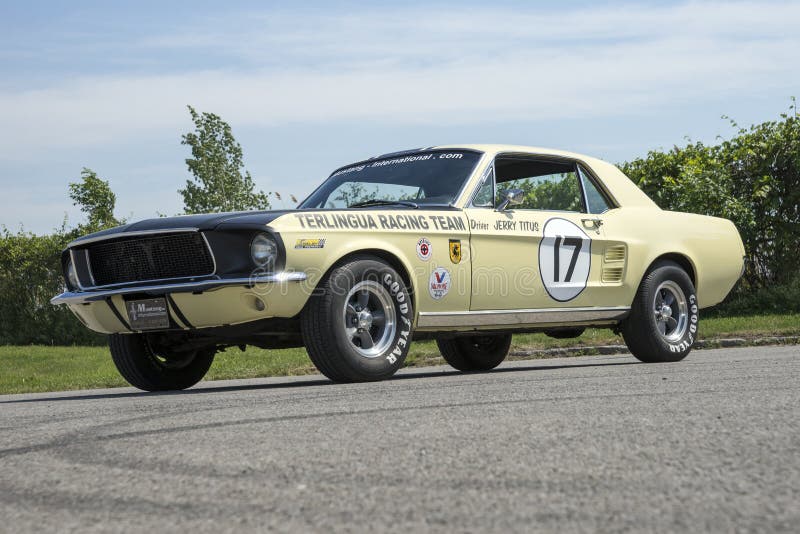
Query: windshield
(430, 177)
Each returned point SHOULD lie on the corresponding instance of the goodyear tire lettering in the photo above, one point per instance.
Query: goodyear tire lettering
(688, 341)
(400, 297)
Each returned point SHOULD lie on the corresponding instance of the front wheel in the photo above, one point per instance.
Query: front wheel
(475, 353)
(358, 325)
(151, 369)
(662, 326)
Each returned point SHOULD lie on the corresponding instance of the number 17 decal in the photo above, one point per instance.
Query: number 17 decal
(565, 256)
(576, 243)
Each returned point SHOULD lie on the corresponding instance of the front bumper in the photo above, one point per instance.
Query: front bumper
(83, 297)
(196, 305)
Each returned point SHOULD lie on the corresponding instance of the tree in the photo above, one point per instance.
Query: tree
(561, 191)
(94, 197)
(220, 182)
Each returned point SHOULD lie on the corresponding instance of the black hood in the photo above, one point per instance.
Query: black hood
(223, 221)
(205, 221)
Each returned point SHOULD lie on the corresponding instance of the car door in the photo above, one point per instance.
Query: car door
(548, 251)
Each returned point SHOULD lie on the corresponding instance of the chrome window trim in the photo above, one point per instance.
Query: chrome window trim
(585, 197)
(580, 166)
(586, 173)
(462, 192)
(488, 171)
(147, 232)
(84, 297)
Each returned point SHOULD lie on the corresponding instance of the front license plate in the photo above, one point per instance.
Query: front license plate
(148, 314)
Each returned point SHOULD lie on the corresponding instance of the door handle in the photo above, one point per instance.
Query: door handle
(592, 224)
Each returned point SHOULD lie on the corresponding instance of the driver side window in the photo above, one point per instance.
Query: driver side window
(547, 185)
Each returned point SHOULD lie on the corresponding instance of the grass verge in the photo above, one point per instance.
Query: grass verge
(37, 368)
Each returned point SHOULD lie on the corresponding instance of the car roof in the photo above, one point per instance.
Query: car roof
(490, 148)
(497, 148)
(625, 192)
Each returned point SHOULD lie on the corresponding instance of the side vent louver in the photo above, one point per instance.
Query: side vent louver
(613, 264)
(615, 253)
(612, 275)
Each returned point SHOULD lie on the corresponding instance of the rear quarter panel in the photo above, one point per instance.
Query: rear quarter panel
(711, 245)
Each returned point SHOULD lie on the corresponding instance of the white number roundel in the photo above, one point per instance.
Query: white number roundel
(565, 257)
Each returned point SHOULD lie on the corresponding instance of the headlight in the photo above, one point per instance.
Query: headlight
(264, 251)
(72, 275)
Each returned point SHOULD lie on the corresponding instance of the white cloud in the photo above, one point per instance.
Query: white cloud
(422, 34)
(422, 66)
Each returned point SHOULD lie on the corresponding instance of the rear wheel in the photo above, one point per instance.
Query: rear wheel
(475, 353)
(357, 327)
(662, 326)
(151, 369)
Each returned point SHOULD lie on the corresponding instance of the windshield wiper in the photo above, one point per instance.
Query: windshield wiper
(380, 202)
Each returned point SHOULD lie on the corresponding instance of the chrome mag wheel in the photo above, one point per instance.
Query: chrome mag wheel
(369, 318)
(671, 311)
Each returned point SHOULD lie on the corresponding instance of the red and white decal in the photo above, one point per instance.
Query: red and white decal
(424, 249)
(439, 283)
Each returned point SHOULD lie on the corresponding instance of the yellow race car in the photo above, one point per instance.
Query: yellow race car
(466, 244)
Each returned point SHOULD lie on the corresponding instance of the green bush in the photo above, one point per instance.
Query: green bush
(30, 275)
(784, 298)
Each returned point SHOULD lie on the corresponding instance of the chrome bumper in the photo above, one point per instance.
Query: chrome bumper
(80, 297)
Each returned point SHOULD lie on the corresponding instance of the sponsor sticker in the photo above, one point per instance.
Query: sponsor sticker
(365, 221)
(424, 249)
(310, 243)
(455, 250)
(439, 284)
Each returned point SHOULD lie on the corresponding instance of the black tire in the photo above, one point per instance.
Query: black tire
(642, 329)
(145, 369)
(475, 353)
(339, 350)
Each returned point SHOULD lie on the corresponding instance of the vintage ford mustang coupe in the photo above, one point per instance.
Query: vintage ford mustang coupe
(463, 244)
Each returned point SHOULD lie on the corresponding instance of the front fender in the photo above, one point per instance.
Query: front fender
(315, 251)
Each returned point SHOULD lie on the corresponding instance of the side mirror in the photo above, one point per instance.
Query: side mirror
(511, 197)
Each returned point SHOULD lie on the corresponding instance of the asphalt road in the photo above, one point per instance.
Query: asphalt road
(596, 443)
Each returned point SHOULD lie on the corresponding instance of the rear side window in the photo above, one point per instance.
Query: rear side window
(595, 201)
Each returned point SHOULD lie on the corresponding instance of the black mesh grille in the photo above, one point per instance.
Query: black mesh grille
(141, 259)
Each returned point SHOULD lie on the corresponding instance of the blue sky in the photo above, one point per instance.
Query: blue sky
(105, 85)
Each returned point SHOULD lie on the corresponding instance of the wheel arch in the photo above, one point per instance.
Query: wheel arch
(683, 260)
(392, 259)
